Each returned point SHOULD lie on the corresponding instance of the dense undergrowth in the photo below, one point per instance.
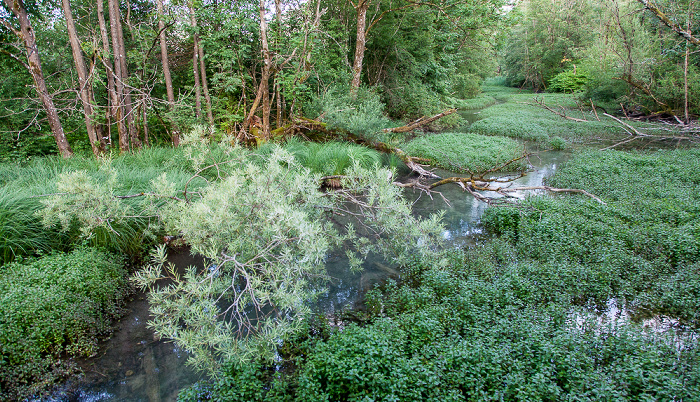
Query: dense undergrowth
(516, 317)
(513, 318)
(55, 307)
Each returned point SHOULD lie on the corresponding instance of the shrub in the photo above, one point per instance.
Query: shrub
(362, 114)
(568, 81)
(467, 152)
(57, 304)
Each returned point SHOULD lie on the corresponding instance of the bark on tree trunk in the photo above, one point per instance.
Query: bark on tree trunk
(205, 86)
(113, 112)
(263, 90)
(197, 86)
(85, 90)
(122, 77)
(26, 34)
(360, 43)
(166, 68)
(195, 63)
(114, 16)
(687, 35)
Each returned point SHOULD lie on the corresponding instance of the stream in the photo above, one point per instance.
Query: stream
(133, 366)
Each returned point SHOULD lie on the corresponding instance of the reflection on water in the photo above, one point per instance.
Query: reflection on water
(132, 366)
(616, 314)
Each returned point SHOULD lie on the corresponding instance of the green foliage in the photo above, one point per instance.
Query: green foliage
(332, 158)
(641, 242)
(568, 81)
(267, 261)
(519, 117)
(515, 318)
(485, 327)
(466, 152)
(21, 232)
(362, 114)
(56, 304)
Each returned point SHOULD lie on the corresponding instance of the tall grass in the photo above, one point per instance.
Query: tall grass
(21, 231)
(332, 158)
(24, 187)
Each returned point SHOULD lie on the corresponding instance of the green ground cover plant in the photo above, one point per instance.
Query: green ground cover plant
(515, 318)
(467, 152)
(54, 306)
(641, 243)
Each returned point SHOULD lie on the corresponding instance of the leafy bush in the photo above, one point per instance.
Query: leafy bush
(467, 152)
(568, 81)
(362, 114)
(57, 304)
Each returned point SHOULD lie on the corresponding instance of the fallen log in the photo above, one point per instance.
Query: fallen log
(419, 123)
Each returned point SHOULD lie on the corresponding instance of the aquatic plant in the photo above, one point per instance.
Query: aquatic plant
(466, 152)
(57, 304)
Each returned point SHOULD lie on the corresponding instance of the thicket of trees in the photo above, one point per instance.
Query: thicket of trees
(637, 53)
(120, 74)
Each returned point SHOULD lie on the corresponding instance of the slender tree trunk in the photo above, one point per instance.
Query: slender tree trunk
(263, 94)
(199, 59)
(278, 97)
(205, 86)
(113, 8)
(197, 87)
(114, 104)
(360, 43)
(85, 89)
(166, 68)
(26, 34)
(685, 67)
(122, 77)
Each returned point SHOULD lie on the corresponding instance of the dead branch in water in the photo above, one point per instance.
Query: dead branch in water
(632, 132)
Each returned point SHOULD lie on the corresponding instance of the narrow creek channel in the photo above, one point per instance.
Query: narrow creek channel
(133, 366)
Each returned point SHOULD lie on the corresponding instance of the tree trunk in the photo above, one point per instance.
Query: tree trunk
(114, 108)
(687, 35)
(199, 50)
(166, 68)
(85, 90)
(122, 77)
(113, 8)
(263, 90)
(26, 34)
(360, 42)
(195, 62)
(264, 81)
(685, 67)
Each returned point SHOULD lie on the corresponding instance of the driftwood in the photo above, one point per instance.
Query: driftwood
(477, 184)
(419, 123)
(632, 132)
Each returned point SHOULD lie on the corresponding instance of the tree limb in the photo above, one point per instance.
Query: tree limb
(418, 123)
(649, 5)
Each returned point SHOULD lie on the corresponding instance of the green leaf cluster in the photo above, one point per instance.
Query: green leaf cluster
(57, 304)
